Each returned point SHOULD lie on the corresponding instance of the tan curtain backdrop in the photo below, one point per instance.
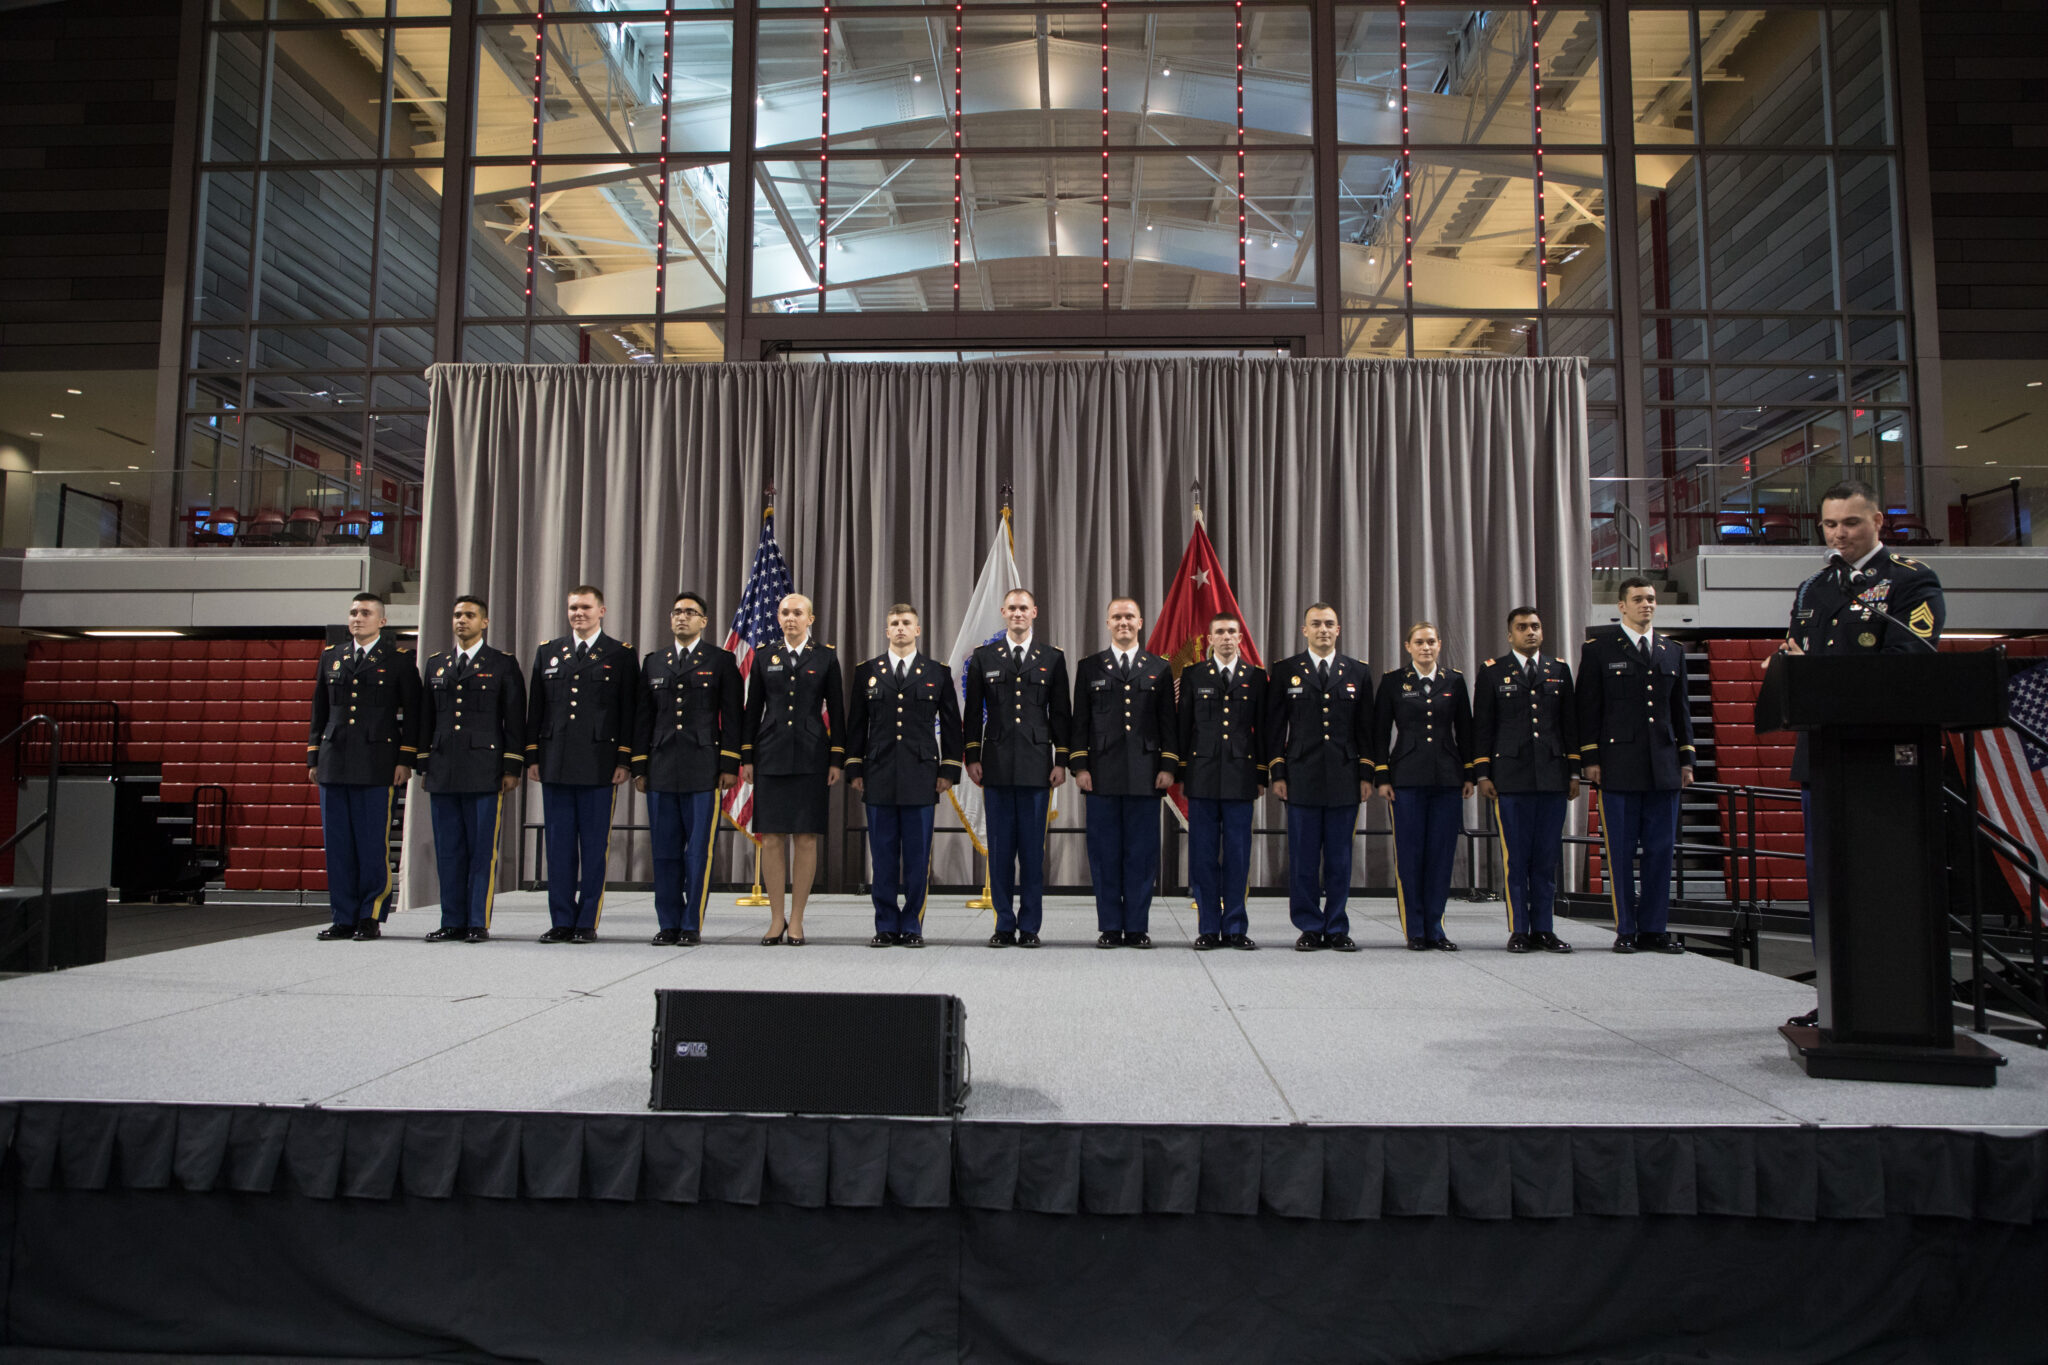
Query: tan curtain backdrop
(1397, 490)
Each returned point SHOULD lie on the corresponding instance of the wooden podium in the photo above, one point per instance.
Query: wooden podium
(1879, 883)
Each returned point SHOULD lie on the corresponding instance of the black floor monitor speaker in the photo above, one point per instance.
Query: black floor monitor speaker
(78, 926)
(809, 1052)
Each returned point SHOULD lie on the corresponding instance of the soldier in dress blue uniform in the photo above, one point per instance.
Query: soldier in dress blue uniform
(579, 732)
(1123, 760)
(1635, 742)
(1016, 721)
(1318, 742)
(474, 732)
(1423, 735)
(903, 754)
(686, 750)
(793, 734)
(1837, 611)
(365, 738)
(1526, 747)
(1223, 773)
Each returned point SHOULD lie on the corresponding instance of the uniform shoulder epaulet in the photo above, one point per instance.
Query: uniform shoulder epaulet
(626, 644)
(1909, 563)
(1487, 664)
(1459, 671)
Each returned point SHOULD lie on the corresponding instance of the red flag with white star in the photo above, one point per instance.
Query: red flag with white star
(1180, 635)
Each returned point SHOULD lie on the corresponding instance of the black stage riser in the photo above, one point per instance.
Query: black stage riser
(483, 1236)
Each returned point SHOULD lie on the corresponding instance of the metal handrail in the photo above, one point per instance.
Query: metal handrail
(47, 822)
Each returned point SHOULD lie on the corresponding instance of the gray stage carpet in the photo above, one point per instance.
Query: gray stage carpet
(1068, 1033)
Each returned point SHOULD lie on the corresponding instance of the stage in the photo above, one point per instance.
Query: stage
(285, 1147)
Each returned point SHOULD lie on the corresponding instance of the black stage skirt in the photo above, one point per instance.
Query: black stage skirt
(795, 804)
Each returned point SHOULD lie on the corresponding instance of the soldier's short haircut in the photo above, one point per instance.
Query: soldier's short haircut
(1519, 612)
(1020, 592)
(368, 597)
(1231, 617)
(903, 609)
(585, 590)
(483, 608)
(1630, 584)
(1318, 606)
(1124, 597)
(689, 596)
(1852, 488)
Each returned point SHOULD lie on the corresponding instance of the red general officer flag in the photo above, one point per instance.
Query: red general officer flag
(1180, 635)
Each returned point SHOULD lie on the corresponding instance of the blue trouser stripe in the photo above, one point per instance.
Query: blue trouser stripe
(1123, 860)
(1219, 863)
(1016, 855)
(1531, 826)
(1427, 821)
(900, 842)
(679, 825)
(355, 826)
(1649, 821)
(1319, 867)
(578, 822)
(465, 837)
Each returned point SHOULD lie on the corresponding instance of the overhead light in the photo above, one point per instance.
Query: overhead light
(135, 466)
(917, 78)
(2033, 383)
(1991, 462)
(1390, 101)
(1971, 635)
(1166, 71)
(58, 415)
(74, 390)
(134, 634)
(35, 433)
(1962, 447)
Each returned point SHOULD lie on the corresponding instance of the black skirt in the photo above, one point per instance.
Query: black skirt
(795, 804)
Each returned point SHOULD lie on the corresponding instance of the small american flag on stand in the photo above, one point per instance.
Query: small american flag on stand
(2010, 778)
(753, 626)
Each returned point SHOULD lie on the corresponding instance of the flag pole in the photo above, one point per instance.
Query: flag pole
(756, 896)
(986, 900)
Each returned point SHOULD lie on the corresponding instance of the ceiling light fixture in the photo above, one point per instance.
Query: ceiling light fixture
(134, 634)
(58, 415)
(1962, 447)
(74, 390)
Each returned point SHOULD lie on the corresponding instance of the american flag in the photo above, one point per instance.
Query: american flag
(2009, 772)
(753, 626)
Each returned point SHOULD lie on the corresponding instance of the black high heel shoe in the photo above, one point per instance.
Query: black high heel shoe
(770, 940)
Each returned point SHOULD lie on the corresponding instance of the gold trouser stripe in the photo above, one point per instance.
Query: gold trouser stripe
(1607, 868)
(704, 892)
(491, 887)
(384, 851)
(1507, 878)
(1400, 896)
(605, 866)
(929, 841)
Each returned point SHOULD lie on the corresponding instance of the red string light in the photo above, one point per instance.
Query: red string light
(540, 40)
(1407, 174)
(957, 207)
(824, 145)
(1105, 154)
(668, 66)
(1536, 109)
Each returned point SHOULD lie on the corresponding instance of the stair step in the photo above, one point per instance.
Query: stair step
(175, 819)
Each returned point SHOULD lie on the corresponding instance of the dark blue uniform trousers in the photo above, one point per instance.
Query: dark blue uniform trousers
(1123, 860)
(578, 820)
(1648, 820)
(1219, 863)
(1427, 821)
(1319, 867)
(900, 842)
(1531, 826)
(1016, 855)
(355, 826)
(466, 855)
(679, 824)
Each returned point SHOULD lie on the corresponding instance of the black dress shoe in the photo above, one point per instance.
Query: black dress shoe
(910, 940)
(583, 936)
(1418, 945)
(1667, 943)
(1109, 938)
(691, 938)
(1204, 942)
(1550, 943)
(556, 935)
(447, 935)
(1137, 940)
(882, 941)
(367, 930)
(666, 938)
(1624, 943)
(336, 933)
(1810, 1019)
(1343, 943)
(1518, 943)
(1027, 940)
(1443, 945)
(1243, 941)
(477, 936)
(1003, 938)
(1308, 943)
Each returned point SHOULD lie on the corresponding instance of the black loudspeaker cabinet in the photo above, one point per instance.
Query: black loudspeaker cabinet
(809, 1052)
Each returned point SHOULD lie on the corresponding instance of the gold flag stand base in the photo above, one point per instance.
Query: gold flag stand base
(754, 897)
(985, 901)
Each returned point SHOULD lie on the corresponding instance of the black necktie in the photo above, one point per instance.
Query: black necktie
(362, 654)
(1643, 649)
(902, 672)
(1323, 673)
(1017, 653)
(1529, 672)
(461, 667)
(582, 651)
